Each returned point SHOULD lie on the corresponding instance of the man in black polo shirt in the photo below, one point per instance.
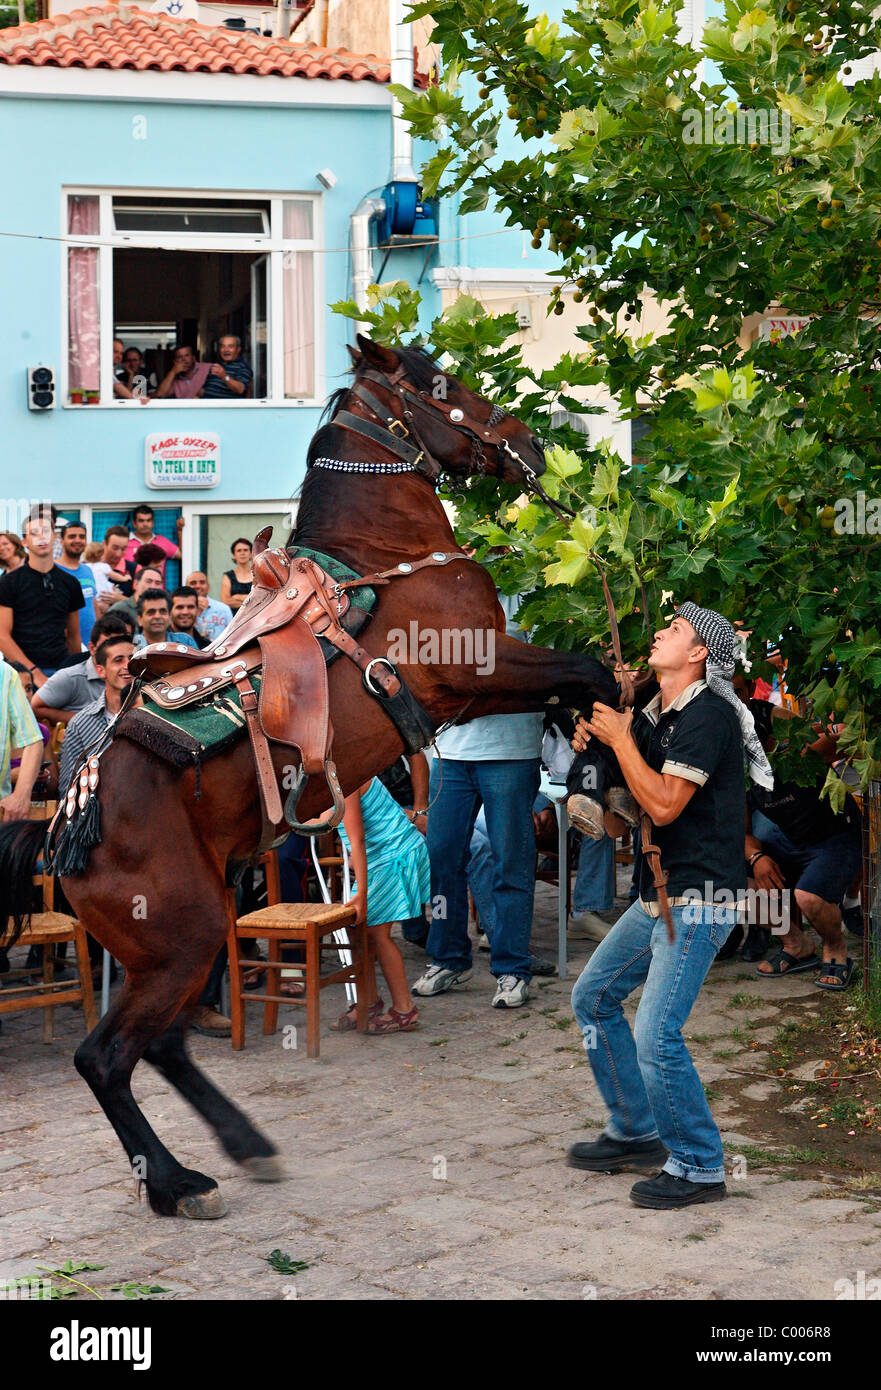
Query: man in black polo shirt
(39, 607)
(683, 759)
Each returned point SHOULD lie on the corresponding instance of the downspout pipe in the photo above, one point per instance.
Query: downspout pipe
(362, 256)
(402, 75)
(402, 171)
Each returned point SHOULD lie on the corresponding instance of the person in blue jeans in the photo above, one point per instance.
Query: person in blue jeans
(481, 872)
(683, 760)
(493, 761)
(594, 888)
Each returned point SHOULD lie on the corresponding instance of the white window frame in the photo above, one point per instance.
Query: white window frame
(192, 511)
(274, 246)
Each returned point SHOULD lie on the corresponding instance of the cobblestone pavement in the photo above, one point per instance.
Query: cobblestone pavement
(422, 1166)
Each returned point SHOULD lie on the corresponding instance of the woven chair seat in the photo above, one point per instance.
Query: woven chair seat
(49, 926)
(298, 916)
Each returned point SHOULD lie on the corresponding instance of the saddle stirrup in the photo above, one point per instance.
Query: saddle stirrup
(339, 802)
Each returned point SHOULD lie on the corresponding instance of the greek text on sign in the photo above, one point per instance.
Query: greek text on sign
(772, 329)
(182, 460)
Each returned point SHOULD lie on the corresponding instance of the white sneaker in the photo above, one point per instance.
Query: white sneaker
(511, 992)
(437, 979)
(589, 926)
(483, 942)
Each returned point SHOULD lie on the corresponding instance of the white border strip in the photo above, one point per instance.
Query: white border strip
(207, 88)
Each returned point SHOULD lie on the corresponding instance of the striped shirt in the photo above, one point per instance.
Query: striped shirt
(238, 370)
(18, 727)
(82, 731)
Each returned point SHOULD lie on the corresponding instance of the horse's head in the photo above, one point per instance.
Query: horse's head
(458, 432)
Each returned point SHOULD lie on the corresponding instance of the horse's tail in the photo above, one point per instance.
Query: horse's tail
(21, 842)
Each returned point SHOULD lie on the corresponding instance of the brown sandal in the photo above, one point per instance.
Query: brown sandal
(348, 1022)
(394, 1022)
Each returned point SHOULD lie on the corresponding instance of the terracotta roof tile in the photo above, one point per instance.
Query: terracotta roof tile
(121, 36)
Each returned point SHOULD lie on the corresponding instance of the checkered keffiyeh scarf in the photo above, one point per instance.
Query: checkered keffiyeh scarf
(720, 640)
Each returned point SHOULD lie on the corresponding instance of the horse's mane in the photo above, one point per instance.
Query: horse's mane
(422, 369)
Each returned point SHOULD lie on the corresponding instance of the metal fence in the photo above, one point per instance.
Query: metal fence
(871, 896)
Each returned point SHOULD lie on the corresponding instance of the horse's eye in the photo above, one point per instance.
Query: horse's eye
(456, 416)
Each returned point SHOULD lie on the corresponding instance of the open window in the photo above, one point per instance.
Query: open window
(161, 271)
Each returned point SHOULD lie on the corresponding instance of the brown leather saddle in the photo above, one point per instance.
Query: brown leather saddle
(293, 602)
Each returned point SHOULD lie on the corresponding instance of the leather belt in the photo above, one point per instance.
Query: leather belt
(654, 909)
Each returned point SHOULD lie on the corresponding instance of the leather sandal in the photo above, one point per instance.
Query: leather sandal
(348, 1022)
(394, 1022)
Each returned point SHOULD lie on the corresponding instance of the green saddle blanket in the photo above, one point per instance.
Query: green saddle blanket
(360, 598)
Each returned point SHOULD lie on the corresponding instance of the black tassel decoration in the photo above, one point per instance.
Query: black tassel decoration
(77, 839)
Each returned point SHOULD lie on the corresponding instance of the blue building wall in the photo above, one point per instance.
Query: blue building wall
(96, 454)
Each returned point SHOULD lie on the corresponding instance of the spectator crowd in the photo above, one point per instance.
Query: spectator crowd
(429, 851)
(229, 378)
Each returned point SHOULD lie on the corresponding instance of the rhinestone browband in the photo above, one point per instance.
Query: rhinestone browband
(343, 466)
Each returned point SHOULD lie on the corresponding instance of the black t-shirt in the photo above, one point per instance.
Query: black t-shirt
(702, 849)
(41, 604)
(800, 813)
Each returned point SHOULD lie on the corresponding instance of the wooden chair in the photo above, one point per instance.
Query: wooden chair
(305, 924)
(56, 741)
(47, 928)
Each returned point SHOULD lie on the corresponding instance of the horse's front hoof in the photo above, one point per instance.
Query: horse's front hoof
(264, 1168)
(202, 1206)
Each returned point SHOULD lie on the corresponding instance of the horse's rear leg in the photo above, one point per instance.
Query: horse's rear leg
(106, 1060)
(241, 1140)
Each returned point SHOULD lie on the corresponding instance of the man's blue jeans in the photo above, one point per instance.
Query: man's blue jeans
(594, 889)
(647, 1077)
(480, 873)
(507, 789)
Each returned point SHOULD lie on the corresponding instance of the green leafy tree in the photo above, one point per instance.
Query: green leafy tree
(752, 490)
(9, 15)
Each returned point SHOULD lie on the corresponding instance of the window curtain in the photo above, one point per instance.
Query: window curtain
(299, 304)
(84, 360)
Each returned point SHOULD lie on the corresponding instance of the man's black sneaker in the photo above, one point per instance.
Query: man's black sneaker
(667, 1191)
(605, 1155)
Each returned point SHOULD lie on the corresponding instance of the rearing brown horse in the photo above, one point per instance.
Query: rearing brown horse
(154, 892)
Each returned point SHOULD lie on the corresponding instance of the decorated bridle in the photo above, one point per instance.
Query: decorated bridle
(394, 434)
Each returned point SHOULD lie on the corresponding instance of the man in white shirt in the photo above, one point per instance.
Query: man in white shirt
(214, 616)
(493, 761)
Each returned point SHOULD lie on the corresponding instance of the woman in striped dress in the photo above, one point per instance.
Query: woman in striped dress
(389, 856)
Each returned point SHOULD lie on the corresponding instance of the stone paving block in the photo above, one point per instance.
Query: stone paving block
(9, 1159)
(360, 1130)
